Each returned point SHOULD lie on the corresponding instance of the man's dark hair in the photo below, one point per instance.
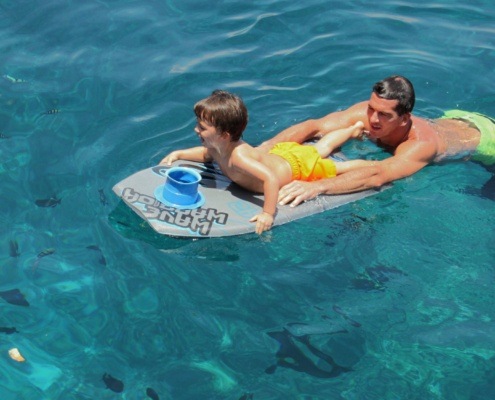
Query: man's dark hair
(225, 111)
(399, 88)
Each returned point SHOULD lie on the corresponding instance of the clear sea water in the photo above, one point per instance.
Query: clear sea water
(390, 297)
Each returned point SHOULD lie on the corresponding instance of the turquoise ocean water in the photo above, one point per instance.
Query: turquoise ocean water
(390, 297)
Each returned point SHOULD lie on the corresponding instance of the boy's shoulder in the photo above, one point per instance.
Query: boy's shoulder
(243, 151)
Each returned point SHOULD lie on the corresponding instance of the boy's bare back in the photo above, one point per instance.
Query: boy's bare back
(238, 163)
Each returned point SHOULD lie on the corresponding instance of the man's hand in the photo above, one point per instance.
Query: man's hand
(296, 192)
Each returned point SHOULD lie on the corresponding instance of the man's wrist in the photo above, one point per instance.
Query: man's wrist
(320, 189)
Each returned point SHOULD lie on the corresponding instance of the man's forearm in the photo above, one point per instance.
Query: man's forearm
(296, 192)
(353, 181)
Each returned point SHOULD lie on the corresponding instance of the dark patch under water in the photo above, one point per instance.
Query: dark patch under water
(14, 296)
(291, 355)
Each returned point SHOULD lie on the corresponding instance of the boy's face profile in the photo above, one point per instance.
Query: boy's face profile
(208, 133)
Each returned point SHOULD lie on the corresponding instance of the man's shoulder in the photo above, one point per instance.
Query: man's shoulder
(423, 129)
(421, 147)
(358, 107)
(344, 118)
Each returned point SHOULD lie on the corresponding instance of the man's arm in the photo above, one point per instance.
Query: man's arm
(318, 127)
(372, 175)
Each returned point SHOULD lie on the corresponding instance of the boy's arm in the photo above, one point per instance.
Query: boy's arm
(249, 166)
(264, 220)
(318, 127)
(199, 154)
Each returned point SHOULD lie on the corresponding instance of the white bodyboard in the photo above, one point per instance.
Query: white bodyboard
(227, 207)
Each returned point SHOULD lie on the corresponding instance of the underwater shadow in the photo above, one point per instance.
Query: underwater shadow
(292, 354)
(124, 221)
(128, 224)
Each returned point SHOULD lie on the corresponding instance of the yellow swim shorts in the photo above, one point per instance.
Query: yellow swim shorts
(306, 163)
(485, 152)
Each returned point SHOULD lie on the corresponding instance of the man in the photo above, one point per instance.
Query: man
(414, 142)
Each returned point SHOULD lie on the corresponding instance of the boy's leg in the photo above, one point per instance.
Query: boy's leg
(332, 140)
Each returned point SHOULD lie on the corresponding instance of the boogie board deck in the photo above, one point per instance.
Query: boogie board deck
(227, 207)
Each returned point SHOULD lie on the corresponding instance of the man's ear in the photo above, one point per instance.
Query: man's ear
(405, 119)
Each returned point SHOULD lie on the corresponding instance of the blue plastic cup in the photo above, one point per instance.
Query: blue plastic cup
(181, 188)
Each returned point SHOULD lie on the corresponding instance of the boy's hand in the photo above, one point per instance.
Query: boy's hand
(264, 221)
(170, 158)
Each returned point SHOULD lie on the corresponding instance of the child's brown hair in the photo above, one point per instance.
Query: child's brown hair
(225, 111)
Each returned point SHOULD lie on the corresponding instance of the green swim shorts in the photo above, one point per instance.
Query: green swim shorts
(485, 152)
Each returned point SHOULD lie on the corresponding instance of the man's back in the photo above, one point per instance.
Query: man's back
(457, 138)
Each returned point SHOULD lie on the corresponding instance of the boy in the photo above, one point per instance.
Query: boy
(222, 118)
